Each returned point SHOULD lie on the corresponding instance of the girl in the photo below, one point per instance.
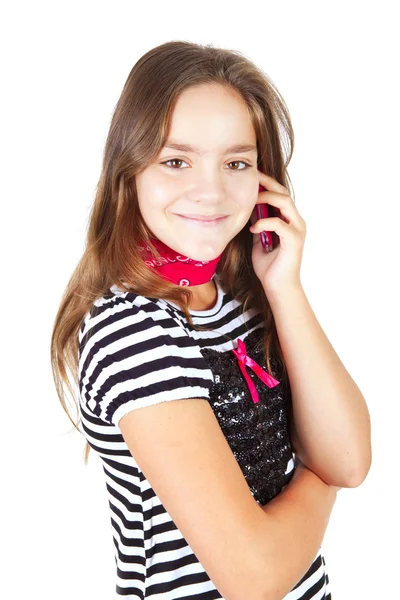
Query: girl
(200, 364)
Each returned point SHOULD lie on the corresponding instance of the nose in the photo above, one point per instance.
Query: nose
(209, 190)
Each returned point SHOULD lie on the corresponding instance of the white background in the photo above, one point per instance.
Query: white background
(64, 66)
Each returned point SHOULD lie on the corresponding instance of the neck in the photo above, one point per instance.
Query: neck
(205, 296)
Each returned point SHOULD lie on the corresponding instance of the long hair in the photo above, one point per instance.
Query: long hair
(138, 130)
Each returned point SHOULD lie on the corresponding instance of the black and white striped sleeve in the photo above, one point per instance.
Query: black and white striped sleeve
(135, 356)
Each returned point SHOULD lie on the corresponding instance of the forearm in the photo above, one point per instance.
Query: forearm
(330, 413)
(294, 529)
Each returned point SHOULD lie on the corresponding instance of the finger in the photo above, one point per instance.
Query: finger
(271, 184)
(286, 211)
(284, 206)
(270, 224)
(276, 198)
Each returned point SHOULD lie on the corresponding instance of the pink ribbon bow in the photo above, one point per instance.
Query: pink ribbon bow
(241, 355)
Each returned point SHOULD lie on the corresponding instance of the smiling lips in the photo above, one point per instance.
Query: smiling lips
(203, 217)
(204, 221)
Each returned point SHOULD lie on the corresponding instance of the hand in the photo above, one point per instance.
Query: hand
(280, 268)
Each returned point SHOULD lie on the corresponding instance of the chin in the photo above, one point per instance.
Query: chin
(203, 255)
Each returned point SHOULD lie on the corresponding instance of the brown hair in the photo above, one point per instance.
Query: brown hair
(138, 130)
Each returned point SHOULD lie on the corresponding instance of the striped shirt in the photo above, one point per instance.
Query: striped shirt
(136, 351)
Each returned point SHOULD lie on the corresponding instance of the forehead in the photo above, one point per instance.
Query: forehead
(207, 118)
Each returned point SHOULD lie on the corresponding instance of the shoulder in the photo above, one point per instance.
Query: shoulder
(132, 353)
(121, 320)
(115, 310)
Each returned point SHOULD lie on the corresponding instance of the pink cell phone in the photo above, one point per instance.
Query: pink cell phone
(262, 212)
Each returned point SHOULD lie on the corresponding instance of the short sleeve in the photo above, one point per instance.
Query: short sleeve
(135, 356)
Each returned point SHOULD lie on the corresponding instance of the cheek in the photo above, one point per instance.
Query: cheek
(162, 189)
(162, 193)
(245, 193)
(153, 197)
(152, 183)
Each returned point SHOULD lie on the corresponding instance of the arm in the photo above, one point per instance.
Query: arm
(295, 523)
(330, 420)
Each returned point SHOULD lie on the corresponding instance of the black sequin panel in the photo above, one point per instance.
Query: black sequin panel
(257, 433)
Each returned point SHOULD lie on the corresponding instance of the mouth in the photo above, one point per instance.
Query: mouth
(204, 222)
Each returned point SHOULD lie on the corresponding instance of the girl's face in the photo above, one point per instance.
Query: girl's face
(209, 179)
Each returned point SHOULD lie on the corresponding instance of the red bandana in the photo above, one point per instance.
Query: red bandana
(186, 271)
(177, 268)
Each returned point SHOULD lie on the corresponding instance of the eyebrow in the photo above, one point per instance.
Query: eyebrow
(235, 149)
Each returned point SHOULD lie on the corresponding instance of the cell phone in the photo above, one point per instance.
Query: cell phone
(264, 211)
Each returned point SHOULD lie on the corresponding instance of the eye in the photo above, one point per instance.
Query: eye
(247, 165)
(172, 160)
